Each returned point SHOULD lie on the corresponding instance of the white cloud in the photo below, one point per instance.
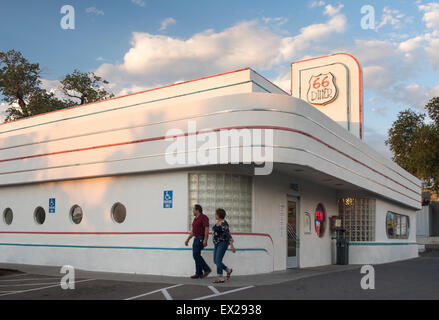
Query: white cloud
(93, 10)
(3, 114)
(411, 95)
(278, 20)
(431, 19)
(139, 3)
(411, 44)
(387, 68)
(376, 140)
(382, 111)
(321, 34)
(433, 52)
(317, 4)
(129, 90)
(332, 11)
(166, 23)
(243, 45)
(51, 86)
(431, 15)
(283, 80)
(393, 17)
(378, 59)
(246, 44)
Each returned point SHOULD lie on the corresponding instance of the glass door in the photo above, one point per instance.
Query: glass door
(292, 232)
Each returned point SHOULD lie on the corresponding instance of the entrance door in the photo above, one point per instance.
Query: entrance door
(292, 231)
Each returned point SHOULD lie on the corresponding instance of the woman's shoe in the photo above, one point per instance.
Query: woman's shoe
(229, 273)
(219, 280)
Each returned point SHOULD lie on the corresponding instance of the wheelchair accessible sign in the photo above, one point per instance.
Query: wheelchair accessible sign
(167, 199)
(52, 205)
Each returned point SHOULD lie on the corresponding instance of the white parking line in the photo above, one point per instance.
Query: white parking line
(166, 294)
(223, 293)
(28, 284)
(42, 288)
(29, 279)
(15, 275)
(155, 291)
(215, 290)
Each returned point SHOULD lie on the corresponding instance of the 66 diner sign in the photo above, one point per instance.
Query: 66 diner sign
(322, 89)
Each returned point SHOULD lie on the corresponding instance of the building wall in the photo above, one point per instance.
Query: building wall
(423, 221)
(152, 236)
(64, 146)
(385, 250)
(434, 227)
(149, 241)
(270, 193)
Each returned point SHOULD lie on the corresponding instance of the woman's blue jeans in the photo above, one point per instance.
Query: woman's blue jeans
(218, 255)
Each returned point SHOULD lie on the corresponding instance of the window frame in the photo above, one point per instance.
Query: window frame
(71, 214)
(4, 216)
(358, 216)
(113, 207)
(35, 215)
(231, 218)
(398, 221)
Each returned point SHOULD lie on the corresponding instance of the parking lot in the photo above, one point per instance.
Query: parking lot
(39, 282)
(32, 286)
(410, 279)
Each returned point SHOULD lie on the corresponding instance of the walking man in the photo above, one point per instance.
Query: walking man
(200, 232)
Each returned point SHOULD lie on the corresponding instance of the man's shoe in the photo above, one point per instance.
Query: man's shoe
(206, 274)
(195, 276)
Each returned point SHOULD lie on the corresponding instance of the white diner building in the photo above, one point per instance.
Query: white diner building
(93, 187)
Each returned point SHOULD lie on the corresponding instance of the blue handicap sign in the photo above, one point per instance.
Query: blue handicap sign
(167, 199)
(52, 205)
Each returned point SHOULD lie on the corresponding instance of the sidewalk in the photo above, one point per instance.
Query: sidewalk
(236, 281)
(428, 240)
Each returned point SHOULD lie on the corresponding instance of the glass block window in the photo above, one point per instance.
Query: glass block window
(231, 192)
(358, 218)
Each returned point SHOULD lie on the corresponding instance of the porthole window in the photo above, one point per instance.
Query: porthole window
(76, 214)
(118, 212)
(8, 216)
(40, 215)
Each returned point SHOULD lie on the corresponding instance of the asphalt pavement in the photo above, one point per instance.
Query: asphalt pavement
(411, 279)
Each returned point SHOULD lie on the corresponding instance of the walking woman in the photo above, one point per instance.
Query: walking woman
(221, 239)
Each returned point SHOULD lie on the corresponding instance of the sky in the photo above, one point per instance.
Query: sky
(141, 44)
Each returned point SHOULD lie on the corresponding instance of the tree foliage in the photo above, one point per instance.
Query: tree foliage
(19, 79)
(414, 143)
(85, 87)
(20, 87)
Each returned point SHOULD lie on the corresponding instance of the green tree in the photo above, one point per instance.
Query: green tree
(85, 87)
(414, 143)
(20, 87)
(19, 80)
(433, 109)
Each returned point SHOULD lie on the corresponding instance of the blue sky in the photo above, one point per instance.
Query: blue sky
(139, 44)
